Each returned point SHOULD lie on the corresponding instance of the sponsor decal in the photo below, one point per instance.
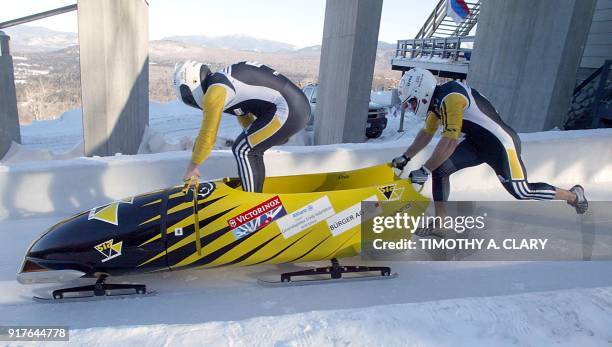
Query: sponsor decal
(391, 192)
(109, 249)
(257, 217)
(108, 213)
(305, 217)
(349, 218)
(205, 190)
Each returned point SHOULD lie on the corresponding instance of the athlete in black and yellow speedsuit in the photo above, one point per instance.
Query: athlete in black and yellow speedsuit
(473, 133)
(268, 106)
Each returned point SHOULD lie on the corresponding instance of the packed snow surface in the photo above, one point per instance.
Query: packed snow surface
(429, 304)
(173, 126)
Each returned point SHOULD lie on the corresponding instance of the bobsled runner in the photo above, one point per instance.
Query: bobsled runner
(299, 218)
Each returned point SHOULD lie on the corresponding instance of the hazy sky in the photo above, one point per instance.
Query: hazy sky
(299, 22)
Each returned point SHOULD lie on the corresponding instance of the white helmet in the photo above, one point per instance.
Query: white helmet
(417, 85)
(188, 79)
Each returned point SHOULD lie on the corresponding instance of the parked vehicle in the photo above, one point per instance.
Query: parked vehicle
(377, 114)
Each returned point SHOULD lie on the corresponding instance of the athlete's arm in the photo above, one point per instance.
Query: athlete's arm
(214, 99)
(420, 141)
(445, 147)
(451, 113)
(213, 102)
(424, 136)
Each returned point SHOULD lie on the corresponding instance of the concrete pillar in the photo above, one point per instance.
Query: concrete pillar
(113, 38)
(525, 58)
(350, 37)
(9, 118)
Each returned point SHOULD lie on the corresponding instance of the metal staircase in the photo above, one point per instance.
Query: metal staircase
(438, 24)
(591, 105)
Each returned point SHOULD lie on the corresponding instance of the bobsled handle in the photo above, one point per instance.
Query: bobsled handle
(195, 183)
(398, 173)
(413, 184)
(188, 183)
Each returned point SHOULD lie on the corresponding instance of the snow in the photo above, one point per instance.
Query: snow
(526, 319)
(173, 126)
(174, 120)
(19, 71)
(563, 158)
(431, 303)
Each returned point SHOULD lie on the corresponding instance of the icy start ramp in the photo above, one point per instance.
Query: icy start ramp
(62, 187)
(534, 319)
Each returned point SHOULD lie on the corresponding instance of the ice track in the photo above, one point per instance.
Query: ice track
(431, 302)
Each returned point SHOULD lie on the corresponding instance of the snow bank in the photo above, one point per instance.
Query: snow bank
(173, 127)
(65, 186)
(580, 317)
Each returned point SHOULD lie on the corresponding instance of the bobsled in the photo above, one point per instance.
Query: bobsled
(215, 223)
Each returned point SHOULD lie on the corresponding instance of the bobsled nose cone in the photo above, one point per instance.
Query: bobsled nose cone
(52, 258)
(32, 275)
(39, 270)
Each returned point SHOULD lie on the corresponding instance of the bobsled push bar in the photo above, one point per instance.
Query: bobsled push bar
(334, 272)
(99, 290)
(193, 181)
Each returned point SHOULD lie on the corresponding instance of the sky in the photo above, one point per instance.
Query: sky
(298, 22)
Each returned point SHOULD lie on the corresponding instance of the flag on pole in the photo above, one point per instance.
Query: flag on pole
(458, 10)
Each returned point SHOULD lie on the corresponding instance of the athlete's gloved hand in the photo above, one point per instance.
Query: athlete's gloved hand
(191, 171)
(400, 162)
(419, 176)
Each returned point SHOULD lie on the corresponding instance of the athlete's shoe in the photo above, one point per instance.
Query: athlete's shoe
(581, 204)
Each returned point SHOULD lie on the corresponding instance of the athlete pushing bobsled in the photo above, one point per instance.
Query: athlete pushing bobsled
(473, 133)
(268, 106)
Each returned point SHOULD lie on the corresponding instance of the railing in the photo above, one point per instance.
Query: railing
(438, 24)
(591, 105)
(448, 49)
(38, 16)
(8, 97)
(433, 21)
(464, 28)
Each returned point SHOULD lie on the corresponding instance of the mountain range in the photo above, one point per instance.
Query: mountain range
(26, 38)
(47, 69)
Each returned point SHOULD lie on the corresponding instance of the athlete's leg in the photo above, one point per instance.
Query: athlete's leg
(575, 196)
(510, 169)
(249, 149)
(250, 146)
(243, 153)
(507, 164)
(465, 155)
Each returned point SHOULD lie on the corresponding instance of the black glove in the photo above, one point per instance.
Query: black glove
(419, 176)
(400, 162)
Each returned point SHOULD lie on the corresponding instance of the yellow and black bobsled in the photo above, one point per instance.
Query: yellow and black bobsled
(296, 219)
